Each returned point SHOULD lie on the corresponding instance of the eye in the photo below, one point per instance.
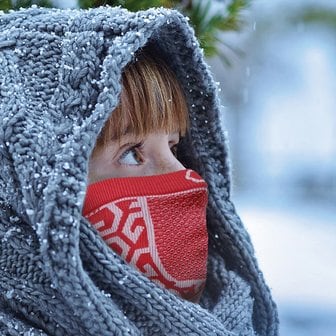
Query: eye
(132, 156)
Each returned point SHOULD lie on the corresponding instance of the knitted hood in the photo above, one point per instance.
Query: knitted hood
(60, 76)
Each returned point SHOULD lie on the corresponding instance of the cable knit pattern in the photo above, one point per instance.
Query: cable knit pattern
(59, 81)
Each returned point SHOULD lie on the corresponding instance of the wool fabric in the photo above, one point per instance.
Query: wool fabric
(60, 76)
(157, 224)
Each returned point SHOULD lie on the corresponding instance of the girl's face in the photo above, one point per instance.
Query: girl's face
(131, 155)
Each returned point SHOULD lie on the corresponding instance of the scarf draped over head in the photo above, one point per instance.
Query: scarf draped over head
(59, 81)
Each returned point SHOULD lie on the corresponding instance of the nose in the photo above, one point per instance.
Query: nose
(167, 162)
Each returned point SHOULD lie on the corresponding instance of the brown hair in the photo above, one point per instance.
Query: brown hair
(151, 99)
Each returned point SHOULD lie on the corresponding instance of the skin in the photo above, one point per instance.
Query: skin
(131, 155)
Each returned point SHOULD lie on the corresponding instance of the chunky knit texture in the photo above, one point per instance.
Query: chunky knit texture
(59, 82)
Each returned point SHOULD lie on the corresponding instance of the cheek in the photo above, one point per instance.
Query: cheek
(94, 171)
(129, 172)
(100, 167)
(124, 170)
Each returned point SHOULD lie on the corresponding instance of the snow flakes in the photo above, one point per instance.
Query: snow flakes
(9, 294)
(106, 294)
(30, 212)
(67, 67)
(122, 281)
(66, 165)
(18, 51)
(254, 27)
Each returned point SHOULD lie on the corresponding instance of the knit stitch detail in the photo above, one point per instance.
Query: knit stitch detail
(59, 81)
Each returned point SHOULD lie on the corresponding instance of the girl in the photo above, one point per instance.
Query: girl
(115, 205)
(140, 139)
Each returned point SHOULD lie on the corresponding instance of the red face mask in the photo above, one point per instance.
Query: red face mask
(157, 224)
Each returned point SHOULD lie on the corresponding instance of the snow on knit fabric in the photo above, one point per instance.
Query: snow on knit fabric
(59, 82)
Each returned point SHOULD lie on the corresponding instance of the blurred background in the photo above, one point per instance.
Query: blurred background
(280, 112)
(276, 70)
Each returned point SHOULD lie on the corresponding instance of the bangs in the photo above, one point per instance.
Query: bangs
(151, 100)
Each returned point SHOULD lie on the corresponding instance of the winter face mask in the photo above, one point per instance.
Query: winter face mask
(157, 224)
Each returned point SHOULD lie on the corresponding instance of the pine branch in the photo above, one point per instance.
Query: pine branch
(209, 24)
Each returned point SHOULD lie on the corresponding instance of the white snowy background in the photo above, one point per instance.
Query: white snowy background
(280, 111)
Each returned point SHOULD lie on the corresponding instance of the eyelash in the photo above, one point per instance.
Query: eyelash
(174, 150)
(137, 149)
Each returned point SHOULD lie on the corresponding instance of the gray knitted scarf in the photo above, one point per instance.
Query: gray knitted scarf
(59, 81)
